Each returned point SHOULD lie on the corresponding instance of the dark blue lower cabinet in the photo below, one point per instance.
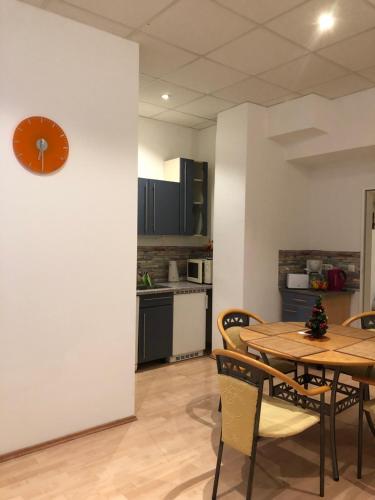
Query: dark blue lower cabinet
(155, 327)
(297, 306)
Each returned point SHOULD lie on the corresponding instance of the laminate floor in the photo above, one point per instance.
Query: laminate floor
(170, 453)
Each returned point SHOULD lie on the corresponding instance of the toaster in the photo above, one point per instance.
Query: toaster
(297, 281)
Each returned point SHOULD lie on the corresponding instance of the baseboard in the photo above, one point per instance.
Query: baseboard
(63, 439)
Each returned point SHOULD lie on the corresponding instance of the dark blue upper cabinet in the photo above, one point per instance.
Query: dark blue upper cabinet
(171, 208)
(165, 207)
(193, 197)
(158, 207)
(143, 198)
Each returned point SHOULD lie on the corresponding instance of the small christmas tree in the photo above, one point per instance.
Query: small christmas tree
(318, 323)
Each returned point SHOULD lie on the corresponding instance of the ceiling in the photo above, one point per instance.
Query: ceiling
(210, 55)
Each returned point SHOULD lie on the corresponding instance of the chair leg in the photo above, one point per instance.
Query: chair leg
(252, 469)
(366, 396)
(270, 385)
(217, 472)
(322, 446)
(360, 432)
(296, 371)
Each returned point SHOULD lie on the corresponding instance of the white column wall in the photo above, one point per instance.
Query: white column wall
(275, 218)
(67, 240)
(229, 212)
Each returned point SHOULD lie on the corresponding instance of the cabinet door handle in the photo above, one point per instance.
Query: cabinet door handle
(144, 336)
(154, 192)
(301, 301)
(290, 310)
(185, 193)
(156, 298)
(146, 207)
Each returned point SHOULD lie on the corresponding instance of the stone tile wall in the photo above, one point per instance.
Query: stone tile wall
(294, 261)
(155, 259)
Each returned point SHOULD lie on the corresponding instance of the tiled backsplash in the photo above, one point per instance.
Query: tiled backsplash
(155, 260)
(294, 261)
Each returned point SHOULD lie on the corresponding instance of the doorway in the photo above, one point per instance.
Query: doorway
(369, 252)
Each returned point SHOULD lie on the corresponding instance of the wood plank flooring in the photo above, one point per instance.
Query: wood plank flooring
(170, 453)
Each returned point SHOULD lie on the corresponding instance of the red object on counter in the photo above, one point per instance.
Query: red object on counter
(336, 279)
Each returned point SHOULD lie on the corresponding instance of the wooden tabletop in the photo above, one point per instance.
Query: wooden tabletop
(341, 345)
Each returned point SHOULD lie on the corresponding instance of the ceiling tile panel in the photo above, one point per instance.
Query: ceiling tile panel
(36, 3)
(278, 100)
(72, 12)
(357, 53)
(341, 86)
(145, 80)
(260, 10)
(306, 72)
(197, 25)
(178, 95)
(204, 124)
(369, 73)
(157, 58)
(301, 24)
(129, 12)
(146, 109)
(205, 76)
(252, 90)
(257, 51)
(206, 107)
(179, 118)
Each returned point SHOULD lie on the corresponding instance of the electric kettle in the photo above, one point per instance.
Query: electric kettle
(336, 279)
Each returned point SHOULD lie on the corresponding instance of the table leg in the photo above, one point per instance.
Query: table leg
(332, 424)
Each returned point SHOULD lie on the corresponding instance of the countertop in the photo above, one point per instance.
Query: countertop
(313, 291)
(176, 287)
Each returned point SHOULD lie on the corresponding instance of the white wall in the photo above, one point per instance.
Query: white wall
(337, 207)
(159, 141)
(68, 240)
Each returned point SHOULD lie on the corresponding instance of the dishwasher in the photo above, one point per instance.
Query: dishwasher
(189, 325)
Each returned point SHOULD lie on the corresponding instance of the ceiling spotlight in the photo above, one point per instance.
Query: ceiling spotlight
(165, 97)
(326, 22)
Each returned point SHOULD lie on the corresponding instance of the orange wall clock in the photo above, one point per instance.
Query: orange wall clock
(40, 144)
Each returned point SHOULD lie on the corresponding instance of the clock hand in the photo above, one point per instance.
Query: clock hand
(42, 146)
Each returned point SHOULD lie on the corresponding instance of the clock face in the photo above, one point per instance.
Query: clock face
(40, 145)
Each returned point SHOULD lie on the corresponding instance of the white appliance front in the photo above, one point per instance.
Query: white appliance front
(194, 271)
(189, 325)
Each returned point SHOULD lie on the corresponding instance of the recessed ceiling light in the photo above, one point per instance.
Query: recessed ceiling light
(326, 21)
(165, 97)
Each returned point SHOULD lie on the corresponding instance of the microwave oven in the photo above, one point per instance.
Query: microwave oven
(199, 271)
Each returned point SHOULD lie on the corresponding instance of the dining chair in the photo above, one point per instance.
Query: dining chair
(366, 407)
(248, 415)
(367, 320)
(230, 322)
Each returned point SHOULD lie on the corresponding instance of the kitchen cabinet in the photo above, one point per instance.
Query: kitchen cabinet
(189, 325)
(158, 207)
(192, 177)
(155, 327)
(297, 305)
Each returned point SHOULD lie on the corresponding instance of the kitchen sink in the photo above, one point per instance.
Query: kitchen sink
(153, 287)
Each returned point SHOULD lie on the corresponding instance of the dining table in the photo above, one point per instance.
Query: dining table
(340, 347)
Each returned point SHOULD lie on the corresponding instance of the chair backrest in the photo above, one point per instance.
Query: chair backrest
(241, 388)
(367, 320)
(229, 323)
